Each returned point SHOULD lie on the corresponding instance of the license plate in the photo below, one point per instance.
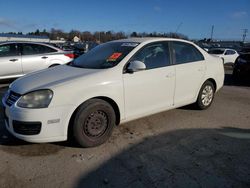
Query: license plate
(5, 116)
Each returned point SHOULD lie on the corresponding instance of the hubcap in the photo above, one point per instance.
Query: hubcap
(96, 124)
(207, 95)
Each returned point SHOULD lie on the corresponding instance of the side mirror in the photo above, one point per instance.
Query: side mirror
(135, 66)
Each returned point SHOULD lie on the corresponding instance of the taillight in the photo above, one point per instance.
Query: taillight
(72, 56)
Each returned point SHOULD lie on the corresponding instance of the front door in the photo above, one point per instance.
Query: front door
(150, 90)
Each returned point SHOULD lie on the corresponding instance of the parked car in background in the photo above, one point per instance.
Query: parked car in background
(242, 66)
(20, 58)
(115, 82)
(228, 55)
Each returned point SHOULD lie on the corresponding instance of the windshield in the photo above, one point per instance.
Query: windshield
(105, 55)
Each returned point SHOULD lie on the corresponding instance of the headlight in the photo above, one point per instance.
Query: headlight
(36, 99)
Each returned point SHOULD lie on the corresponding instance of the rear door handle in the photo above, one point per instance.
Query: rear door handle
(201, 69)
(13, 60)
(44, 57)
(170, 75)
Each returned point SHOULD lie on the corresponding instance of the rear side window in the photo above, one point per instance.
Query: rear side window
(154, 55)
(8, 50)
(30, 49)
(185, 53)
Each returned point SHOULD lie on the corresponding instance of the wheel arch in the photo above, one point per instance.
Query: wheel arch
(106, 99)
(213, 82)
(208, 79)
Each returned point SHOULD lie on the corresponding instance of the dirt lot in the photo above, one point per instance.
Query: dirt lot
(178, 148)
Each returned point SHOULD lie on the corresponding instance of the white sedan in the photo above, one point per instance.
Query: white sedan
(20, 58)
(116, 82)
(228, 55)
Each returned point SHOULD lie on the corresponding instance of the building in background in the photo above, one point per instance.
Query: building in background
(15, 37)
(76, 39)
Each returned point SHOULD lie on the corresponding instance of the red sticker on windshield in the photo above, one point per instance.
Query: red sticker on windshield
(114, 56)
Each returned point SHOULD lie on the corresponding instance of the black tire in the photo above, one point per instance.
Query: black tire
(53, 65)
(93, 123)
(200, 104)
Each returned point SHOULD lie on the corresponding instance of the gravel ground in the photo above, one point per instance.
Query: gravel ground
(178, 148)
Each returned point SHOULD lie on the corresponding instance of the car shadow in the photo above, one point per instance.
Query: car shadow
(181, 158)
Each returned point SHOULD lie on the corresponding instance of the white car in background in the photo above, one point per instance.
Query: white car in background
(228, 55)
(20, 58)
(115, 82)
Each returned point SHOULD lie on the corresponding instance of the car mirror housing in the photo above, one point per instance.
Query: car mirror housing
(135, 66)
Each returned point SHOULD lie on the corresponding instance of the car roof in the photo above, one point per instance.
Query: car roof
(19, 42)
(222, 49)
(149, 39)
(29, 42)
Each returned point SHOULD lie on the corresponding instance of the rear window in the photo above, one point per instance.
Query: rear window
(30, 49)
(217, 51)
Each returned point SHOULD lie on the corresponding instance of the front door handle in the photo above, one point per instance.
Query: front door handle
(44, 57)
(13, 60)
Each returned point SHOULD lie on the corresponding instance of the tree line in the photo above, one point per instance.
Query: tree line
(98, 36)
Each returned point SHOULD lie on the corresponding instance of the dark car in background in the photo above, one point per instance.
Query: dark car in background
(242, 65)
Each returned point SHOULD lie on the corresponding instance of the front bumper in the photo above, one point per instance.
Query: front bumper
(54, 123)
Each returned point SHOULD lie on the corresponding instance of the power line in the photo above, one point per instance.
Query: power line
(212, 33)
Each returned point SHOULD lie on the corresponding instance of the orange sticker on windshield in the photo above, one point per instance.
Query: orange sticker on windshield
(114, 56)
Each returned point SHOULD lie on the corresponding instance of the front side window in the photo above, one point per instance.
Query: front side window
(9, 50)
(31, 49)
(105, 55)
(154, 55)
(185, 53)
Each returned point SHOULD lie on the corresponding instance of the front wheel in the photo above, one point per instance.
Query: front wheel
(206, 95)
(93, 123)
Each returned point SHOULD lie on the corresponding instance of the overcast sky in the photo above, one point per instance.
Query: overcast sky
(193, 18)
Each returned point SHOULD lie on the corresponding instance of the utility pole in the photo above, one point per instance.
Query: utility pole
(178, 27)
(212, 32)
(244, 34)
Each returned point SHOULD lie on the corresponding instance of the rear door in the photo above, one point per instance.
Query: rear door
(10, 61)
(35, 57)
(190, 69)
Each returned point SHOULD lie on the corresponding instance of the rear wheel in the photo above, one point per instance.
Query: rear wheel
(206, 95)
(93, 123)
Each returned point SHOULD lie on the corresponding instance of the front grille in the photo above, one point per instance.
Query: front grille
(27, 128)
(12, 98)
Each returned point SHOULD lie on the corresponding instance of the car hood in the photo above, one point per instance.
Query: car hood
(49, 78)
